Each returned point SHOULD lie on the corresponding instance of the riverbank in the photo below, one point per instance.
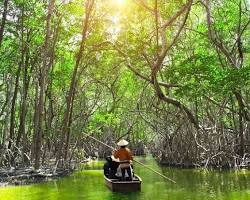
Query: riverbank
(88, 184)
(190, 165)
(28, 175)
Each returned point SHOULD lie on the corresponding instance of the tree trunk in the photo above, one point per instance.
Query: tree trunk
(241, 134)
(20, 66)
(70, 97)
(26, 79)
(3, 20)
(5, 109)
(13, 107)
(42, 80)
(49, 92)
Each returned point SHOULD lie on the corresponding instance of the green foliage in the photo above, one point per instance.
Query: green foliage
(107, 119)
(108, 94)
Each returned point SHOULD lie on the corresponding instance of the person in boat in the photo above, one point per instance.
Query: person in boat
(125, 158)
(110, 167)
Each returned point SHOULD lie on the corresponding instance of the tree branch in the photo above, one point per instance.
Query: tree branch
(177, 14)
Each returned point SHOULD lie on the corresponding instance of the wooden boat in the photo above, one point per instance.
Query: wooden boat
(117, 185)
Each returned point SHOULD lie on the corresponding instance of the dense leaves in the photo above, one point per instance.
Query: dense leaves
(172, 75)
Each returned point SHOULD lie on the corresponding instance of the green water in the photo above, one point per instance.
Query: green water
(89, 185)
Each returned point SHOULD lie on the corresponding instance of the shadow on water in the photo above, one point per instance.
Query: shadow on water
(88, 184)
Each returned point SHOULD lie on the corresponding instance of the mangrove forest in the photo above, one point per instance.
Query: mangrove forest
(171, 77)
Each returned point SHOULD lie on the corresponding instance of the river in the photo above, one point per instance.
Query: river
(88, 184)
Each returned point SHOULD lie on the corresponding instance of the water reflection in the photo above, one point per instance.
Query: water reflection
(88, 184)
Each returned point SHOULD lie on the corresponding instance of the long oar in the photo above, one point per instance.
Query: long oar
(133, 160)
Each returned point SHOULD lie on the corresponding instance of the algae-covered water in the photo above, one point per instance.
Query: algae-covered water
(88, 184)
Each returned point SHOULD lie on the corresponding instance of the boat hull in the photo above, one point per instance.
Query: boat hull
(124, 186)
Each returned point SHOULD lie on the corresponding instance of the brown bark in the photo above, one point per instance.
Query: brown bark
(26, 81)
(242, 105)
(177, 14)
(137, 73)
(33, 151)
(13, 107)
(20, 66)
(70, 97)
(241, 134)
(3, 21)
(5, 103)
(155, 67)
(42, 80)
(243, 115)
(158, 63)
(5, 109)
(234, 62)
(49, 114)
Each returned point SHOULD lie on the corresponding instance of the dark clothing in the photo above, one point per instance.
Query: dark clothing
(106, 169)
(129, 173)
(110, 168)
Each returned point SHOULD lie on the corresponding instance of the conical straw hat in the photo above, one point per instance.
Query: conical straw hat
(122, 143)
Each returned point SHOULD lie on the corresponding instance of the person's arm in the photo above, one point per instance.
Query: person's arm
(130, 155)
(116, 153)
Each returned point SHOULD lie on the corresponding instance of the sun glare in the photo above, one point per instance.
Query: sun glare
(121, 2)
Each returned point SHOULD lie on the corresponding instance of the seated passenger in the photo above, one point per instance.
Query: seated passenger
(110, 167)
